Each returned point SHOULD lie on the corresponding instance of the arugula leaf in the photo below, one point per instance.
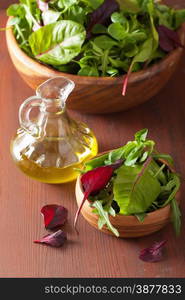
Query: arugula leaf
(141, 135)
(104, 217)
(57, 43)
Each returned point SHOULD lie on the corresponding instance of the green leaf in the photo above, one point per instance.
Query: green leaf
(135, 188)
(172, 187)
(104, 217)
(150, 7)
(99, 28)
(93, 3)
(141, 217)
(16, 10)
(50, 16)
(141, 135)
(104, 42)
(13, 21)
(57, 43)
(129, 5)
(176, 216)
(179, 17)
(117, 31)
(88, 71)
(166, 157)
(145, 51)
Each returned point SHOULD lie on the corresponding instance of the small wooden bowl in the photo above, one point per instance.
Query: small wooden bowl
(99, 95)
(127, 226)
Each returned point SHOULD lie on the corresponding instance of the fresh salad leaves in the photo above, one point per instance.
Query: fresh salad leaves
(96, 37)
(58, 42)
(132, 180)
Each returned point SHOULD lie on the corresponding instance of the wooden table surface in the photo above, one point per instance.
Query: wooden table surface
(92, 254)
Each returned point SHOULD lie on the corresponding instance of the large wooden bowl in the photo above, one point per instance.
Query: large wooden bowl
(127, 226)
(99, 94)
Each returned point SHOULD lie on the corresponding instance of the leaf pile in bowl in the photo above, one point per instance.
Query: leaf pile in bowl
(96, 37)
(132, 180)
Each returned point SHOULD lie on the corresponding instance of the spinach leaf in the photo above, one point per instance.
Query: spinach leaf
(57, 43)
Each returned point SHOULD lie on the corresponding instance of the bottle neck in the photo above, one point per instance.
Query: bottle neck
(53, 106)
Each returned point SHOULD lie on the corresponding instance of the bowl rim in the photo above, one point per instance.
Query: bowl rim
(134, 77)
(150, 214)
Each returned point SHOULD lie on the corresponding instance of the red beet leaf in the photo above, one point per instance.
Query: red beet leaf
(56, 239)
(154, 253)
(101, 14)
(94, 181)
(168, 39)
(54, 215)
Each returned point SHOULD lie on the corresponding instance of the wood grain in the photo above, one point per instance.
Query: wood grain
(92, 254)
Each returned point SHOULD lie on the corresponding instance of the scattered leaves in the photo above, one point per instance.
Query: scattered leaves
(153, 253)
(56, 239)
(54, 215)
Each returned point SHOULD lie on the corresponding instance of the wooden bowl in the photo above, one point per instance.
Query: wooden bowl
(99, 94)
(127, 226)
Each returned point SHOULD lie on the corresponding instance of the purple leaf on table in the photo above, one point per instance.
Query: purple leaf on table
(56, 239)
(153, 253)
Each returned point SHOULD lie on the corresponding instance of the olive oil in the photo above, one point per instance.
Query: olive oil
(51, 146)
(52, 174)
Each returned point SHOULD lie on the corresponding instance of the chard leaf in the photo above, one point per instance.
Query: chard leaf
(104, 217)
(135, 188)
(176, 216)
(57, 43)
